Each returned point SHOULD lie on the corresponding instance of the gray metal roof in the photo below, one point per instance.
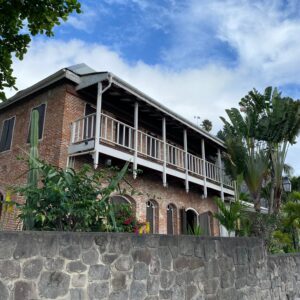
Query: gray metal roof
(84, 76)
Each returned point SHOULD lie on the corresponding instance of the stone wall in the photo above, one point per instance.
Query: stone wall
(44, 265)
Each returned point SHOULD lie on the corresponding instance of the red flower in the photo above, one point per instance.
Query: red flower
(127, 221)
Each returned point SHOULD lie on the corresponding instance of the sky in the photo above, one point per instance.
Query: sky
(197, 57)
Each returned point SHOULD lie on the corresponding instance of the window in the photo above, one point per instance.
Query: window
(171, 219)
(7, 134)
(152, 215)
(41, 110)
(1, 203)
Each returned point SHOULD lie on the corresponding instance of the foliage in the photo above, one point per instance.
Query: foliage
(33, 174)
(257, 138)
(206, 125)
(67, 200)
(228, 215)
(21, 19)
(196, 230)
(126, 220)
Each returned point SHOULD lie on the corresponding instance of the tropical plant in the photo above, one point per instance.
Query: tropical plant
(33, 174)
(69, 200)
(228, 215)
(257, 138)
(196, 230)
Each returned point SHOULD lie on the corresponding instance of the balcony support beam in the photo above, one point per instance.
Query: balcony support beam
(136, 127)
(98, 124)
(185, 143)
(221, 174)
(164, 134)
(204, 167)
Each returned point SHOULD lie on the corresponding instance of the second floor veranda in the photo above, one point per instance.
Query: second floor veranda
(128, 125)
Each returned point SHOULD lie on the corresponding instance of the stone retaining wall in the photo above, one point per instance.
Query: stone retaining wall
(45, 265)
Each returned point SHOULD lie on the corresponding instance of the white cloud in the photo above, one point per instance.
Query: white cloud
(264, 39)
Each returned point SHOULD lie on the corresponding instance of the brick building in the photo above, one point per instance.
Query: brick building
(96, 117)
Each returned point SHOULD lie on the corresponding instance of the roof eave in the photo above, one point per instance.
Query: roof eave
(63, 73)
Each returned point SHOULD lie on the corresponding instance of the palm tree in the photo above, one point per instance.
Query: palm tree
(228, 215)
(206, 125)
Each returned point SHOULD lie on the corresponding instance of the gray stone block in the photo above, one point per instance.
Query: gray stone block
(32, 268)
(4, 295)
(26, 247)
(153, 285)
(101, 241)
(137, 290)
(181, 263)
(7, 247)
(166, 294)
(24, 290)
(212, 269)
(165, 257)
(77, 294)
(227, 279)
(154, 266)
(109, 258)
(142, 255)
(140, 271)
(98, 272)
(120, 295)
(120, 244)
(79, 280)
(71, 252)
(9, 269)
(49, 246)
(191, 292)
(90, 257)
(178, 292)
(167, 279)
(186, 245)
(211, 286)
(76, 267)
(118, 281)
(98, 291)
(53, 284)
(124, 263)
(54, 264)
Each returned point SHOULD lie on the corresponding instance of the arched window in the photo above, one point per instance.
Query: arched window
(191, 219)
(171, 219)
(119, 199)
(152, 215)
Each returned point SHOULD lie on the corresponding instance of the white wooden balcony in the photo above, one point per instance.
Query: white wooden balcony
(117, 137)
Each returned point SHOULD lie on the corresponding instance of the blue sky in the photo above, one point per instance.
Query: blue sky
(198, 57)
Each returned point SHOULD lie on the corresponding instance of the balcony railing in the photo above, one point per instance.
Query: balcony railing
(120, 134)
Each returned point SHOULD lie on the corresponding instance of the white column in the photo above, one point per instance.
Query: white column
(186, 160)
(98, 125)
(164, 134)
(221, 174)
(136, 127)
(204, 167)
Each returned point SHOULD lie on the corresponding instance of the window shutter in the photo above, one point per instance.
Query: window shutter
(4, 135)
(183, 221)
(170, 220)
(41, 110)
(204, 222)
(149, 217)
(7, 133)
